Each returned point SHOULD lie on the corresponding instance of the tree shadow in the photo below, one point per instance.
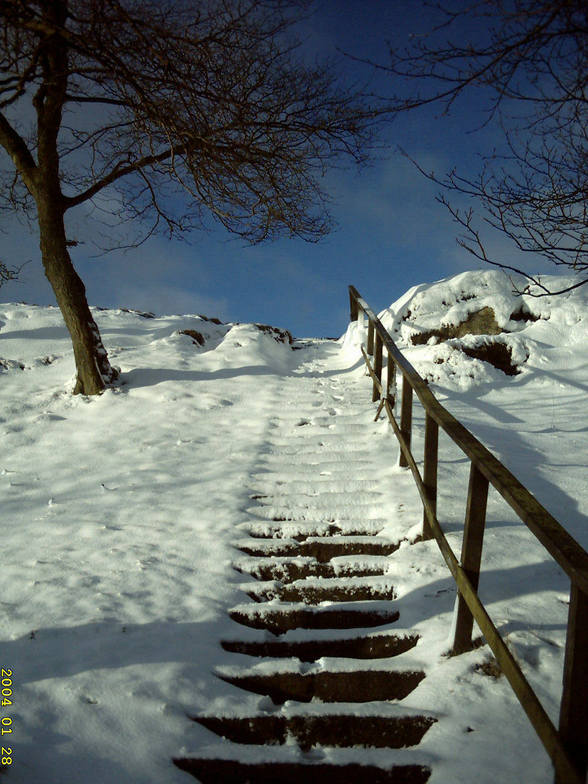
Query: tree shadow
(496, 585)
(528, 464)
(62, 652)
(50, 740)
(150, 377)
(40, 333)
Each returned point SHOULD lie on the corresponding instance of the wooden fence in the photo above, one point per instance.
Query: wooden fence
(568, 745)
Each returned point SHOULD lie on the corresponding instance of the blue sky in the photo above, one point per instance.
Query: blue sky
(391, 234)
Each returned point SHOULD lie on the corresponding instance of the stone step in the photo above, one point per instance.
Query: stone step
(215, 771)
(342, 730)
(271, 485)
(280, 619)
(325, 445)
(321, 427)
(380, 646)
(313, 499)
(284, 511)
(325, 686)
(287, 570)
(320, 457)
(287, 524)
(321, 549)
(315, 591)
(323, 467)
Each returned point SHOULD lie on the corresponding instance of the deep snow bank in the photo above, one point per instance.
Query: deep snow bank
(35, 338)
(448, 327)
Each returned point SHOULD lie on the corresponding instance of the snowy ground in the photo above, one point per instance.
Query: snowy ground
(120, 515)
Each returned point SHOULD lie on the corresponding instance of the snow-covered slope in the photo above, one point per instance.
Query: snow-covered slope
(119, 516)
(535, 420)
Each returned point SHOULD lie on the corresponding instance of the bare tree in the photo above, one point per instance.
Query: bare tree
(132, 99)
(7, 273)
(531, 59)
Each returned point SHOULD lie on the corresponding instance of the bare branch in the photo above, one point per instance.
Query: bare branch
(17, 149)
(117, 173)
(533, 58)
(9, 273)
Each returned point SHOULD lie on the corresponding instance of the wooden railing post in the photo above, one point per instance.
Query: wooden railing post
(573, 716)
(405, 417)
(370, 340)
(430, 470)
(391, 380)
(471, 555)
(377, 367)
(353, 307)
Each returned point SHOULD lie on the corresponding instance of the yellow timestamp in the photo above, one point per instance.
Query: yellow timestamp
(6, 721)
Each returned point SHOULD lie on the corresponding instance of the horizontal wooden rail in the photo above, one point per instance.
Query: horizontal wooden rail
(556, 540)
(567, 746)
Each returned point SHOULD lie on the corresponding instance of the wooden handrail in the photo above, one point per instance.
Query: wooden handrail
(567, 746)
(563, 547)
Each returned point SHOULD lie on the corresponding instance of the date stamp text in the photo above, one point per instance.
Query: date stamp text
(6, 720)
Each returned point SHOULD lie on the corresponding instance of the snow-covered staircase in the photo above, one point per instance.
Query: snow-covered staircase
(321, 636)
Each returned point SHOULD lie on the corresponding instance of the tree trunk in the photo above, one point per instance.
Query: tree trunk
(94, 371)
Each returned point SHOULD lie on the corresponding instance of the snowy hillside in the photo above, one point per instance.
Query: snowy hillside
(534, 420)
(120, 516)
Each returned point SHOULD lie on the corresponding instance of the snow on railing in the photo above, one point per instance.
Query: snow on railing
(568, 745)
